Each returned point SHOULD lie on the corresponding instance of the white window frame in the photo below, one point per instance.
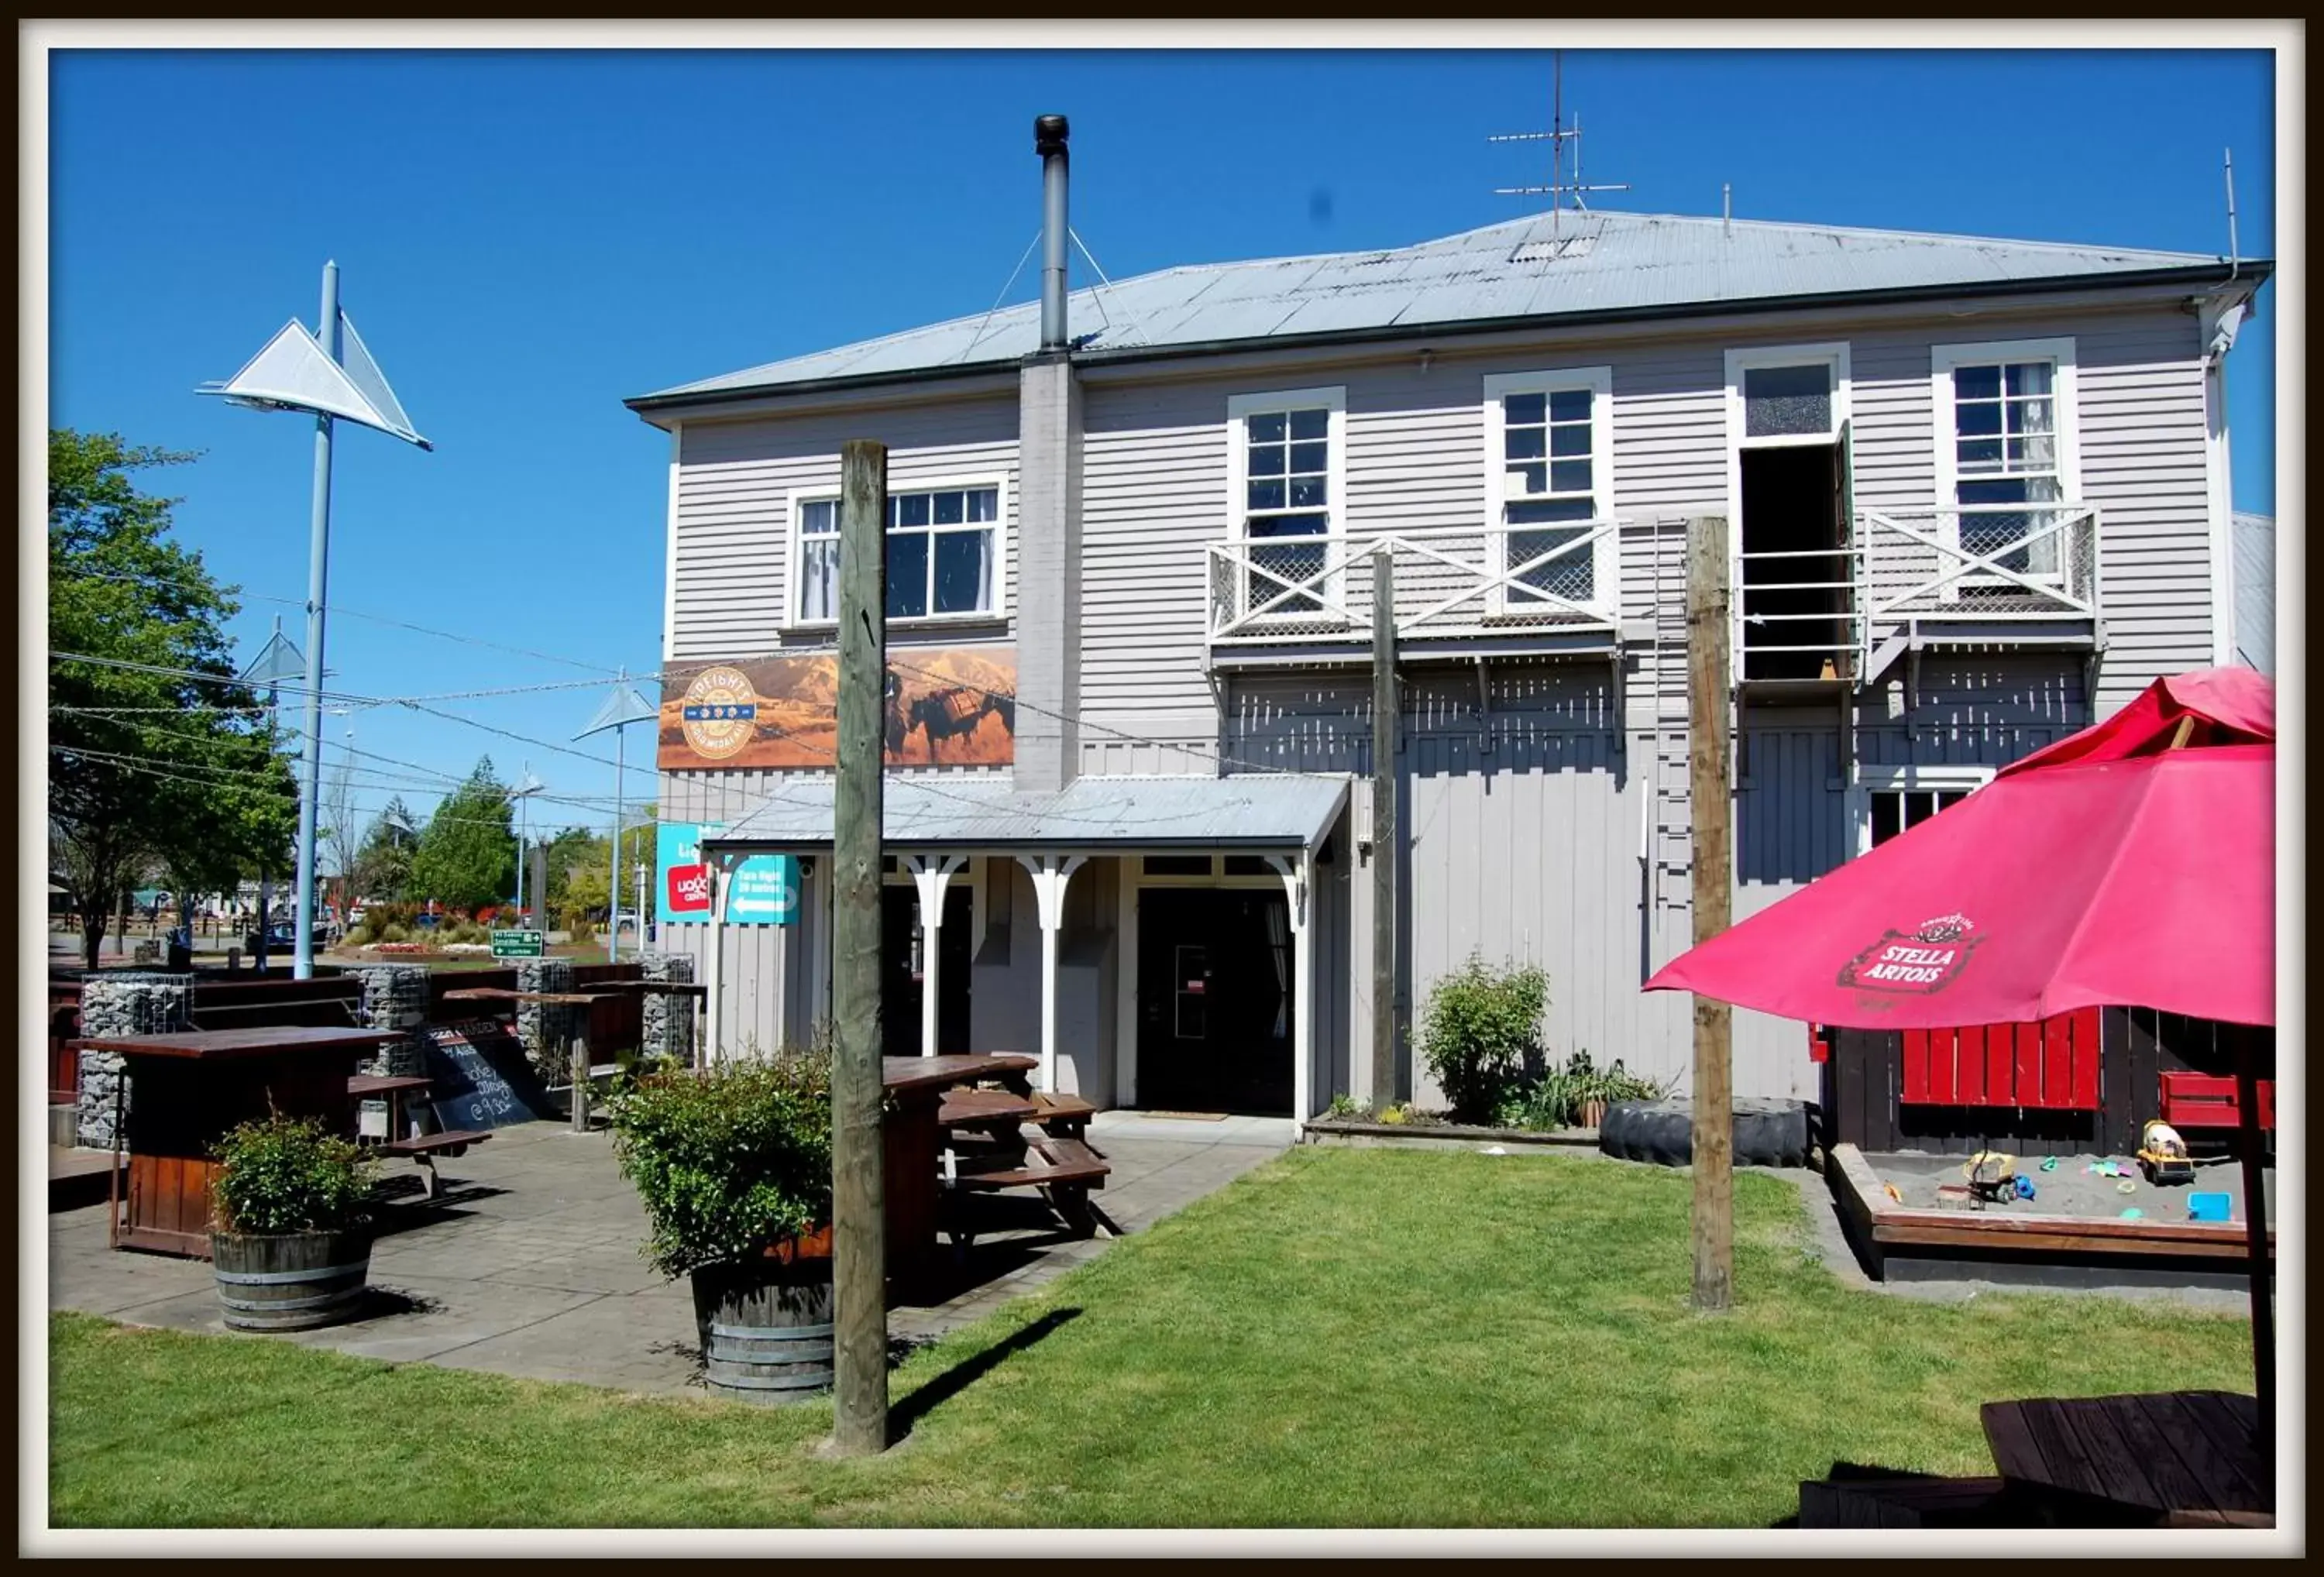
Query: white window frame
(794, 551)
(1946, 777)
(1604, 563)
(1944, 360)
(1333, 401)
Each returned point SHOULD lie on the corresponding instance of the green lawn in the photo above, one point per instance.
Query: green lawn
(1346, 1337)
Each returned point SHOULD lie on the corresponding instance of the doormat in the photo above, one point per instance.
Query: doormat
(1189, 1116)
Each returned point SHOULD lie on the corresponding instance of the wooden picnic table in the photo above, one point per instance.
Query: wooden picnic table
(194, 1085)
(912, 1145)
(2191, 1457)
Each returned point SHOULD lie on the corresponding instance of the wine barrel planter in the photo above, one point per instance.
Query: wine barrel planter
(766, 1326)
(292, 1282)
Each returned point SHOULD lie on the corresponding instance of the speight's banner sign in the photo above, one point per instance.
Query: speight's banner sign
(946, 707)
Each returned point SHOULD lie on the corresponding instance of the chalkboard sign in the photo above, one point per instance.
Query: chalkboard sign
(483, 1078)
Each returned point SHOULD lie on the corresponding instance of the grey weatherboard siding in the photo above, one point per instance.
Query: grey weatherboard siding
(1530, 848)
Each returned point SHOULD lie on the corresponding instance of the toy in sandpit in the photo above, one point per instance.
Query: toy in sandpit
(2214, 1207)
(2107, 1168)
(2162, 1155)
(1992, 1177)
(2025, 1185)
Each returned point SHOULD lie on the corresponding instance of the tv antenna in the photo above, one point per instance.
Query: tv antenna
(1564, 151)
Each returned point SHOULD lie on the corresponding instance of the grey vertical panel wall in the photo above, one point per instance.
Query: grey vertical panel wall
(734, 482)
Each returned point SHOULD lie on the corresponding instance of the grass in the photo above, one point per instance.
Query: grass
(1345, 1337)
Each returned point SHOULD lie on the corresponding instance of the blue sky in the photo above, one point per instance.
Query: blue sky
(527, 238)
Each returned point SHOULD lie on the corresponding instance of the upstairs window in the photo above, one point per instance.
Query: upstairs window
(2004, 439)
(943, 550)
(1548, 476)
(1289, 451)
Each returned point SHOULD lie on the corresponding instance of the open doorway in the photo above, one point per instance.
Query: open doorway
(903, 971)
(1215, 1000)
(1796, 562)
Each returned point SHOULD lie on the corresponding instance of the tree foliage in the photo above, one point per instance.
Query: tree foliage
(165, 765)
(467, 857)
(1476, 1030)
(382, 862)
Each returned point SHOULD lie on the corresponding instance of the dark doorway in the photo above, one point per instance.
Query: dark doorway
(1793, 502)
(899, 995)
(1214, 1001)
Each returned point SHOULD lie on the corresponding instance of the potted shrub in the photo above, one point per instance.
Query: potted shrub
(291, 1244)
(1478, 1028)
(732, 1163)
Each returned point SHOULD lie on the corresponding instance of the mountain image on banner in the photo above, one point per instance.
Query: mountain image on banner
(293, 374)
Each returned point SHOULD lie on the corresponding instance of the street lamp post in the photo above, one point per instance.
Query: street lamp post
(522, 794)
(328, 375)
(623, 707)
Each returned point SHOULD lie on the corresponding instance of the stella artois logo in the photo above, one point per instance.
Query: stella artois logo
(1926, 959)
(719, 713)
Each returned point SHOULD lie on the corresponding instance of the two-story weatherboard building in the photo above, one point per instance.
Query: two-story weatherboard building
(1975, 494)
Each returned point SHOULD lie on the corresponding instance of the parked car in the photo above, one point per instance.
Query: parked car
(282, 936)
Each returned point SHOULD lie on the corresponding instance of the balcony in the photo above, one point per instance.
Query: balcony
(1459, 592)
(2004, 575)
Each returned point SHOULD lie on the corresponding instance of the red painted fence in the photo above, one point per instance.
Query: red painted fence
(2052, 1064)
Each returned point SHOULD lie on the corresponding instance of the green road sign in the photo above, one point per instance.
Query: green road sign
(518, 944)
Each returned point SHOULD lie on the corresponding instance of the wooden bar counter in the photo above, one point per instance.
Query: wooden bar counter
(189, 1089)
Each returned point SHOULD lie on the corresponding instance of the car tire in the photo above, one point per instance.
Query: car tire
(1765, 1133)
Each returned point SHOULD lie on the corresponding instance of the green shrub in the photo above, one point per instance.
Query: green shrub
(285, 1175)
(729, 1161)
(391, 933)
(357, 936)
(378, 918)
(1476, 1030)
(1347, 1106)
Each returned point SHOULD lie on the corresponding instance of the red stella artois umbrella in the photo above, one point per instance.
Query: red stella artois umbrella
(2132, 864)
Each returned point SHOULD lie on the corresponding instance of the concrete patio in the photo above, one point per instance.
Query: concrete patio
(529, 1264)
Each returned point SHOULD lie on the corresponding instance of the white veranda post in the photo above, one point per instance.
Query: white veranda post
(1050, 874)
(931, 874)
(1296, 883)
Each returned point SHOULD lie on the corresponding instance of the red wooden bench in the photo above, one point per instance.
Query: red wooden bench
(2193, 1100)
(2052, 1064)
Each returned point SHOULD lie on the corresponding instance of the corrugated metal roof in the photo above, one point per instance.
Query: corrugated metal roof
(1256, 811)
(1524, 268)
(2255, 551)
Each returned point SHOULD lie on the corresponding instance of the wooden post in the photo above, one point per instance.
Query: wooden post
(2262, 1270)
(1383, 836)
(1709, 681)
(858, 1195)
(580, 1103)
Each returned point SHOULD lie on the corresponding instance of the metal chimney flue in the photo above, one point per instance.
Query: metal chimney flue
(1049, 133)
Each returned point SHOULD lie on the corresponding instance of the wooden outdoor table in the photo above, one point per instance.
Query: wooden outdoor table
(912, 1145)
(190, 1087)
(2193, 1456)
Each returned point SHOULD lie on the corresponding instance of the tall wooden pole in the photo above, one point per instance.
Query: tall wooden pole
(1708, 680)
(2262, 1268)
(1383, 839)
(859, 1237)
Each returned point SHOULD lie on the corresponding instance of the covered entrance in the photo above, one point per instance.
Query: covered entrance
(1215, 1000)
(1036, 896)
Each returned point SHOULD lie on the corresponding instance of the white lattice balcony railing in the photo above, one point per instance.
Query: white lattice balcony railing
(1995, 562)
(1450, 582)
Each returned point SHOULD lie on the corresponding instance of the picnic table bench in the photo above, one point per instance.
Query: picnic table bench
(422, 1148)
(2180, 1458)
(991, 1152)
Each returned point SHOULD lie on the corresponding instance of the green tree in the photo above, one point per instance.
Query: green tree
(467, 857)
(157, 758)
(382, 863)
